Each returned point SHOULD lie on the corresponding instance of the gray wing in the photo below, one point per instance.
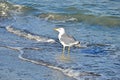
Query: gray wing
(67, 39)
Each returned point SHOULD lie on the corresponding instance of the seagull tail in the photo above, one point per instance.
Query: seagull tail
(77, 44)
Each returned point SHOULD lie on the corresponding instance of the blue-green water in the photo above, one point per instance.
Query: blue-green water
(29, 24)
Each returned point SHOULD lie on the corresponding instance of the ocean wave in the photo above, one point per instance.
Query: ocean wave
(28, 35)
(91, 19)
(71, 68)
(8, 9)
(67, 71)
(49, 59)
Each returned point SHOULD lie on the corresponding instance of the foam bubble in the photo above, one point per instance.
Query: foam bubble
(28, 35)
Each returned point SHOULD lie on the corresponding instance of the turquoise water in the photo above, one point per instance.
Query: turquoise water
(28, 27)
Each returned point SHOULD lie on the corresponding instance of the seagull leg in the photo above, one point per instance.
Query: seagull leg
(69, 52)
(63, 56)
(63, 51)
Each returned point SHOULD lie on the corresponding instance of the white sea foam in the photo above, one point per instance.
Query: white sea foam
(68, 72)
(4, 9)
(78, 75)
(49, 17)
(59, 18)
(28, 35)
(72, 19)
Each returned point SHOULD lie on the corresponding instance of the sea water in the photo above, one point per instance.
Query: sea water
(27, 26)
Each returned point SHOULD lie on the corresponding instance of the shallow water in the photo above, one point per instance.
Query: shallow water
(28, 26)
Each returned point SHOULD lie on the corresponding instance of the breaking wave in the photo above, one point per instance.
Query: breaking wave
(67, 71)
(76, 68)
(91, 19)
(8, 9)
(28, 35)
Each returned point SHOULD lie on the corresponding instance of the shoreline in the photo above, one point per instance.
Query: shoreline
(11, 67)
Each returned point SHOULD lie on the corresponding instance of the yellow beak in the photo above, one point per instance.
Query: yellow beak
(56, 29)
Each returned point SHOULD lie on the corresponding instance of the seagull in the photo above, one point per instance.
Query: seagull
(66, 40)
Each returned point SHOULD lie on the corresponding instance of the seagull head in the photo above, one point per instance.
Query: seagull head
(60, 30)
